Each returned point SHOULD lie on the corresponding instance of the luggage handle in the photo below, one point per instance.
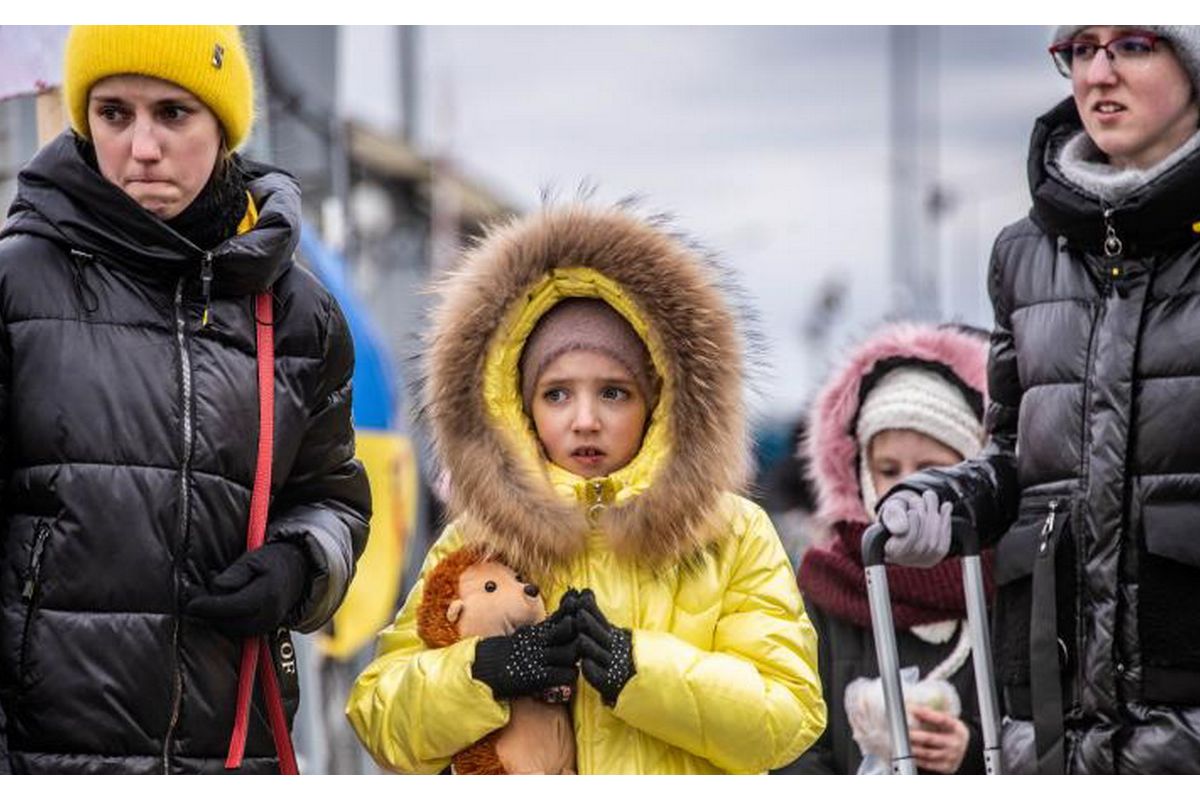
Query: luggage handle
(981, 647)
(884, 631)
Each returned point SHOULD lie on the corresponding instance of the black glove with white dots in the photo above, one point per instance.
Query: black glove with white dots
(606, 651)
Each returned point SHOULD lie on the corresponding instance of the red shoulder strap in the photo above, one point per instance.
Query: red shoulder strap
(256, 649)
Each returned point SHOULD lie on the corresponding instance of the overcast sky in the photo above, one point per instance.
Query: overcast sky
(769, 143)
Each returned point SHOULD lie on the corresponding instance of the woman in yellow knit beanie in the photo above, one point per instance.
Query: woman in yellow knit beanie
(130, 264)
(208, 60)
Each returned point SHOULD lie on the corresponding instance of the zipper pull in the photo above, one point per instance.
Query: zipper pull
(1047, 528)
(1113, 246)
(206, 278)
(595, 501)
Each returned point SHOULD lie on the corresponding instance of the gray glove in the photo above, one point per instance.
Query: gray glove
(920, 529)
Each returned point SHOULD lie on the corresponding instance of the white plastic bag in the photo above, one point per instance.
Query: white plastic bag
(868, 713)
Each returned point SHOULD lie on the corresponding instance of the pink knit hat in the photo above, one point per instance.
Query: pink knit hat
(580, 323)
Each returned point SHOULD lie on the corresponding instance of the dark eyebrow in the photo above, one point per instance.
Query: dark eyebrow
(172, 100)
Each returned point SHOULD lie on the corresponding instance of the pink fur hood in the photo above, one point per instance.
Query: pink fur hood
(831, 446)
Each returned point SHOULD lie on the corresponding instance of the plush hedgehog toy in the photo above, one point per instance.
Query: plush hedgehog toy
(468, 594)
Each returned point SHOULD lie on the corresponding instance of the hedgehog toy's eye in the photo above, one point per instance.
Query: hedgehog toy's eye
(490, 586)
(520, 579)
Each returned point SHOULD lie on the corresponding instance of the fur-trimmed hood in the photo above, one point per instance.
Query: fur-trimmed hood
(663, 507)
(831, 445)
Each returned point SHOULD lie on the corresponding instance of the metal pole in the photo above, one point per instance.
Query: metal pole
(981, 647)
(407, 57)
(906, 215)
(884, 629)
(930, 183)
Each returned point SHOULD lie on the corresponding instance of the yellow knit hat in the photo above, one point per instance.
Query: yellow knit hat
(207, 60)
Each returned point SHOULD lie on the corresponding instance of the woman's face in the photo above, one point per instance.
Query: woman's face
(1137, 113)
(893, 455)
(154, 140)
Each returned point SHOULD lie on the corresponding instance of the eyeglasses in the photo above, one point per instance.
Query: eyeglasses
(1128, 49)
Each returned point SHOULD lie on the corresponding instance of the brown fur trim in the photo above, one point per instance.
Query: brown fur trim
(441, 588)
(517, 514)
(480, 758)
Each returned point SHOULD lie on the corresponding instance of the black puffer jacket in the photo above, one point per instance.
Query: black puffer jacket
(1094, 376)
(127, 450)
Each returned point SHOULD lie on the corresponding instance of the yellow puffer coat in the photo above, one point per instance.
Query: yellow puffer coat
(726, 660)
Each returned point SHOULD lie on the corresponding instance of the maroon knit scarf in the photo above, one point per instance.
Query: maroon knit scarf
(832, 578)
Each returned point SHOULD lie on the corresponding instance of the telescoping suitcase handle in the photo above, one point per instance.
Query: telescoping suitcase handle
(884, 630)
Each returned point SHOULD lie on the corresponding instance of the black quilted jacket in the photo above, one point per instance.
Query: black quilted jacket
(1094, 378)
(127, 450)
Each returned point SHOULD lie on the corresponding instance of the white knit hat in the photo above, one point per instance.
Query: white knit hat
(912, 398)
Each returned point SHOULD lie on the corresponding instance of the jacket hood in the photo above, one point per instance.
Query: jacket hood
(62, 198)
(832, 447)
(663, 506)
(1159, 215)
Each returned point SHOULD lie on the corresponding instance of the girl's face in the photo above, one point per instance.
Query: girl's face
(589, 413)
(893, 455)
(154, 140)
(1136, 111)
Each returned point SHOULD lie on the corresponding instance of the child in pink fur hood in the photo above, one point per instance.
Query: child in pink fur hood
(909, 397)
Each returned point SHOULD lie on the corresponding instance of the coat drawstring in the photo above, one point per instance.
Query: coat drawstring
(88, 299)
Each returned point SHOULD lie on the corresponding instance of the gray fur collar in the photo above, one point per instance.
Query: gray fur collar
(1083, 165)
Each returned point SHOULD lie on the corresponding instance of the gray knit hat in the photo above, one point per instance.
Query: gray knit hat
(579, 323)
(1184, 39)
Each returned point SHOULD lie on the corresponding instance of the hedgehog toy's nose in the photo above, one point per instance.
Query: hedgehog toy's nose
(531, 589)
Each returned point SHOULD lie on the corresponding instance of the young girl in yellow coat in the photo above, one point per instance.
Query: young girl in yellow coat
(584, 390)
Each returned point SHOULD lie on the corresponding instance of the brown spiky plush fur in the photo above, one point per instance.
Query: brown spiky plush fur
(441, 587)
(436, 630)
(517, 515)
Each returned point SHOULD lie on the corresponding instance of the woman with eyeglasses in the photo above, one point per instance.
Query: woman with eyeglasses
(1090, 487)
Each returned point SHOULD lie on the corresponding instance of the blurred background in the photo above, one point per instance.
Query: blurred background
(846, 175)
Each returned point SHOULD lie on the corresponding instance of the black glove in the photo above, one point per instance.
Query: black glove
(534, 658)
(257, 593)
(606, 650)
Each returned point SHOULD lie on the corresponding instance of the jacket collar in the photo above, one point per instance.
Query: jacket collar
(1154, 217)
(61, 197)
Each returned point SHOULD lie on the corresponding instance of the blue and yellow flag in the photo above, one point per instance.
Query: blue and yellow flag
(391, 465)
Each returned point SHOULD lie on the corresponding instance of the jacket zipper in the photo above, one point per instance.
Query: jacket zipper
(185, 370)
(31, 585)
(595, 500)
(1113, 246)
(206, 279)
